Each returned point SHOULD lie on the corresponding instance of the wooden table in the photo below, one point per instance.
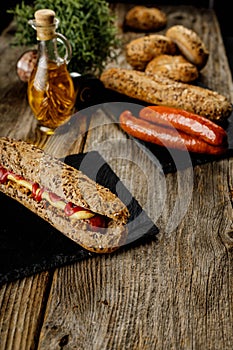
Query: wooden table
(175, 292)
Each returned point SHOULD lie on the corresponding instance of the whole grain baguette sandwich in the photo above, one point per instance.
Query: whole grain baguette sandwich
(86, 212)
(158, 90)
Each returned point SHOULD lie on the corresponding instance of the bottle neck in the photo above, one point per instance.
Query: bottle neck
(48, 49)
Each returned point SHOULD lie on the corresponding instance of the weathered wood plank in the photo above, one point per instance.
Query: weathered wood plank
(22, 310)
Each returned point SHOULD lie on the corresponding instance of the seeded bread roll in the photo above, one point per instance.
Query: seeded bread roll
(145, 18)
(32, 166)
(190, 45)
(174, 67)
(142, 50)
(155, 89)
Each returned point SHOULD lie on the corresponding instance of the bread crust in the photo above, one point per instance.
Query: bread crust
(190, 44)
(145, 18)
(140, 51)
(174, 67)
(155, 89)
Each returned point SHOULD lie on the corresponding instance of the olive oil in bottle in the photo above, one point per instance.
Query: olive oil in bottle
(51, 93)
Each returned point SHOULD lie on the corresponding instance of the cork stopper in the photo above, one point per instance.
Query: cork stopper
(45, 23)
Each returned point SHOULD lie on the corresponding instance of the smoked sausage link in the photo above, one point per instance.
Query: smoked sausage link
(164, 136)
(190, 123)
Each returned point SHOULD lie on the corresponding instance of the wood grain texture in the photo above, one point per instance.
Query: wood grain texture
(174, 292)
(21, 314)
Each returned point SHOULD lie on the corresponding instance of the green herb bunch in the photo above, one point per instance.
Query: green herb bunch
(89, 26)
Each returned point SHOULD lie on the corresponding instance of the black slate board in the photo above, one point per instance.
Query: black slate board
(29, 245)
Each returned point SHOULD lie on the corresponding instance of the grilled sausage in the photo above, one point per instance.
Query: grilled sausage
(187, 122)
(167, 137)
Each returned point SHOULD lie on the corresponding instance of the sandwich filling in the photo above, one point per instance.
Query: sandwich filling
(39, 193)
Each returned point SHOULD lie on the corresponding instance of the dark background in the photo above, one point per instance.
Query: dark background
(221, 7)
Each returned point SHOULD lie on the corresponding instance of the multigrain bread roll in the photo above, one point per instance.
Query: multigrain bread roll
(142, 50)
(174, 67)
(145, 18)
(155, 89)
(86, 212)
(190, 44)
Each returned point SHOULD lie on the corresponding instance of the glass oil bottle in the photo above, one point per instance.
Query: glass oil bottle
(51, 93)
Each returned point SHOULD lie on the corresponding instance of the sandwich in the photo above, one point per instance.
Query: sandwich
(83, 210)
